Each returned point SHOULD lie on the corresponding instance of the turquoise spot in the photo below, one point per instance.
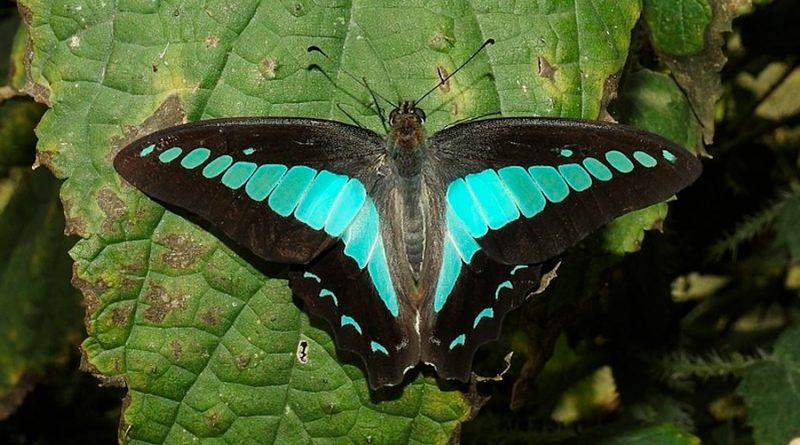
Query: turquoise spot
(359, 238)
(346, 207)
(313, 276)
(291, 189)
(463, 242)
(377, 347)
(448, 274)
(618, 160)
(494, 202)
(597, 169)
(465, 207)
(326, 293)
(264, 180)
(458, 341)
(319, 199)
(645, 159)
(195, 158)
(217, 166)
(504, 285)
(170, 155)
(550, 182)
(238, 174)
(669, 156)
(249, 151)
(347, 320)
(518, 268)
(526, 194)
(147, 150)
(381, 279)
(576, 176)
(566, 152)
(486, 313)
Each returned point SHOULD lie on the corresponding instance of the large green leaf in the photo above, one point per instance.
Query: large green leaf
(204, 341)
(771, 392)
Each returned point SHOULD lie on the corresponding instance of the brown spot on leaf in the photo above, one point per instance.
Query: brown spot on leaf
(242, 361)
(161, 303)
(444, 82)
(44, 158)
(440, 41)
(73, 225)
(183, 251)
(169, 114)
(212, 41)
(545, 69)
(212, 316)
(268, 67)
(112, 379)
(120, 316)
(213, 419)
(112, 206)
(610, 90)
(177, 349)
(39, 93)
(92, 291)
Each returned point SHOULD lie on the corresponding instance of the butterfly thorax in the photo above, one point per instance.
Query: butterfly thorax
(405, 145)
(406, 139)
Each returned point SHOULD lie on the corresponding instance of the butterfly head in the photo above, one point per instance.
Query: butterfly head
(406, 124)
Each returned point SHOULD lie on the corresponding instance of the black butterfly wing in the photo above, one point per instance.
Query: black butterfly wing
(517, 192)
(295, 191)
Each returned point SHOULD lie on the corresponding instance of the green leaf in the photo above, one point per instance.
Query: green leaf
(40, 313)
(771, 393)
(205, 342)
(698, 73)
(654, 102)
(17, 76)
(654, 435)
(677, 27)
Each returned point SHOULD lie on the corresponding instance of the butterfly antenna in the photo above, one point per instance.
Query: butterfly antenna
(377, 104)
(316, 49)
(445, 79)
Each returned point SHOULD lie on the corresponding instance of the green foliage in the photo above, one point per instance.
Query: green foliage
(678, 27)
(40, 313)
(205, 344)
(656, 435)
(771, 394)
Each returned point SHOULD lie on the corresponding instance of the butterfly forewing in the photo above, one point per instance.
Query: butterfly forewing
(527, 189)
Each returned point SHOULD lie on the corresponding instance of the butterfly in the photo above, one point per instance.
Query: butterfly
(412, 248)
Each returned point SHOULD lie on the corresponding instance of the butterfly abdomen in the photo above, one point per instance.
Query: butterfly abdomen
(413, 223)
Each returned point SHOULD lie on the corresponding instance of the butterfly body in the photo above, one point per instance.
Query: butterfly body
(412, 248)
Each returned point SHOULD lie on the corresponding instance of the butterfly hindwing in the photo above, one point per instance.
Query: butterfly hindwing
(482, 294)
(334, 288)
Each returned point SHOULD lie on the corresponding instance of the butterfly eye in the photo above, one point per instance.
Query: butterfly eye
(420, 115)
(393, 116)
